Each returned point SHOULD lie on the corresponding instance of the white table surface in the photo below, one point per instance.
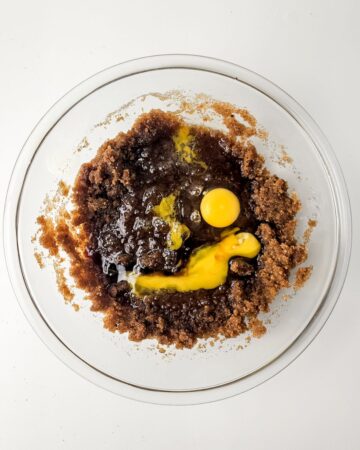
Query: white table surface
(310, 48)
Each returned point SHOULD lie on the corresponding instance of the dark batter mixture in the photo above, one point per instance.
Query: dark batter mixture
(114, 231)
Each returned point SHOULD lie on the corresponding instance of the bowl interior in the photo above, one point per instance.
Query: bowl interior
(64, 149)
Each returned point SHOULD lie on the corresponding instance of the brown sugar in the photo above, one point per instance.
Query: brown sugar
(63, 188)
(302, 275)
(61, 282)
(39, 259)
(113, 230)
(257, 327)
(47, 236)
(307, 233)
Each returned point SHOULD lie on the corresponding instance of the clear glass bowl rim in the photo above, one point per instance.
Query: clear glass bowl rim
(151, 63)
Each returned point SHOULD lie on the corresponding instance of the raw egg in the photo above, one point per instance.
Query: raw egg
(220, 207)
(207, 267)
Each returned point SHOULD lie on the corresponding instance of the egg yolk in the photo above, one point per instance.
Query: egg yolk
(178, 231)
(184, 147)
(220, 207)
(207, 267)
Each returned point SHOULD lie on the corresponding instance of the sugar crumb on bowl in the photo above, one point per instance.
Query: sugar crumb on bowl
(308, 231)
(257, 327)
(63, 188)
(39, 259)
(302, 275)
(62, 283)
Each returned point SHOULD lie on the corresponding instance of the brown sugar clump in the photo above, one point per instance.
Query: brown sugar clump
(39, 259)
(272, 202)
(302, 275)
(241, 267)
(47, 235)
(257, 328)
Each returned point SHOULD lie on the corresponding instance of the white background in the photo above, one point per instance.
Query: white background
(311, 48)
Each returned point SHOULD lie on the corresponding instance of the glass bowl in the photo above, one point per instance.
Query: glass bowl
(98, 109)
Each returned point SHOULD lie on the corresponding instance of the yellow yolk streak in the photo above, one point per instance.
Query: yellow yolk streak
(182, 140)
(178, 231)
(207, 267)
